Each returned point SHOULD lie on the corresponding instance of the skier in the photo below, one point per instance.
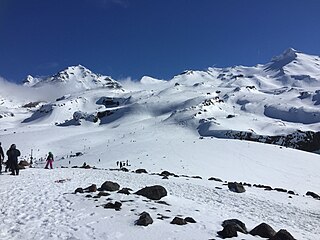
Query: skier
(49, 160)
(1, 158)
(13, 153)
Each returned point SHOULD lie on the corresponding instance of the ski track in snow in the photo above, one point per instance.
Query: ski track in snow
(34, 206)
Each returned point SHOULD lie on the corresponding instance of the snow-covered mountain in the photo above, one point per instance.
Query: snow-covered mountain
(189, 125)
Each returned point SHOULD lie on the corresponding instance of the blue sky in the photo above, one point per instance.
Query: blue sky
(133, 38)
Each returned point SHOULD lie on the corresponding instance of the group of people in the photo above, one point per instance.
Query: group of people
(12, 163)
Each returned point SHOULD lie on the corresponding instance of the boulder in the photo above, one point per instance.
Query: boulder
(144, 219)
(190, 220)
(236, 187)
(125, 191)
(312, 194)
(123, 169)
(116, 205)
(153, 192)
(110, 186)
(282, 235)
(79, 190)
(263, 230)
(24, 163)
(178, 221)
(242, 226)
(166, 173)
(229, 231)
(214, 179)
(141, 170)
(103, 194)
(92, 188)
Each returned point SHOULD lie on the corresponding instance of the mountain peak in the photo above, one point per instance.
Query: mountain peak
(287, 56)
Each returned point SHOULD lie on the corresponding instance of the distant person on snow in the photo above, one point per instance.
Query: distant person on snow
(13, 153)
(1, 158)
(49, 160)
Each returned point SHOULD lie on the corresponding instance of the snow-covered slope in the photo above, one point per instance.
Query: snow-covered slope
(189, 125)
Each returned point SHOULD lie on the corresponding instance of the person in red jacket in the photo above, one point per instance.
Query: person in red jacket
(49, 160)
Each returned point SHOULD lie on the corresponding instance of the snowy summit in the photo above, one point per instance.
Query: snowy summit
(165, 159)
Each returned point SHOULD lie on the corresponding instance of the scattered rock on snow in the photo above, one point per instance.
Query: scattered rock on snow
(141, 170)
(312, 194)
(116, 205)
(79, 190)
(263, 230)
(178, 221)
(242, 226)
(190, 220)
(282, 235)
(110, 186)
(214, 179)
(153, 192)
(92, 188)
(144, 219)
(236, 187)
(125, 191)
(103, 194)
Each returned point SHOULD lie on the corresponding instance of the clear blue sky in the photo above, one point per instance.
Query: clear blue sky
(159, 38)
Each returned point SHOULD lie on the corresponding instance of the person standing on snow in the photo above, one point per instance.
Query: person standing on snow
(49, 160)
(1, 158)
(13, 153)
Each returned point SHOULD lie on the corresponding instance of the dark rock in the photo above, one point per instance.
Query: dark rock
(24, 163)
(163, 202)
(116, 205)
(218, 188)
(263, 230)
(92, 188)
(104, 194)
(197, 177)
(280, 190)
(282, 235)
(88, 196)
(236, 187)
(165, 177)
(215, 179)
(141, 170)
(190, 220)
(166, 173)
(178, 221)
(125, 191)
(153, 192)
(79, 190)
(242, 226)
(229, 231)
(123, 169)
(291, 192)
(312, 194)
(110, 186)
(144, 219)
(268, 188)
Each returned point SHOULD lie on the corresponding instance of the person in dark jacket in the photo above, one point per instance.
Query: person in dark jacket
(13, 153)
(1, 157)
(49, 160)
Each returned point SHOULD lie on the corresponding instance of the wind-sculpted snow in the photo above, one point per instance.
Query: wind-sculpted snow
(292, 114)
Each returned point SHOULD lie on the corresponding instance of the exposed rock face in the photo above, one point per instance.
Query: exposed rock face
(190, 220)
(242, 226)
(110, 186)
(116, 205)
(79, 190)
(236, 187)
(154, 192)
(125, 191)
(307, 141)
(263, 230)
(144, 219)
